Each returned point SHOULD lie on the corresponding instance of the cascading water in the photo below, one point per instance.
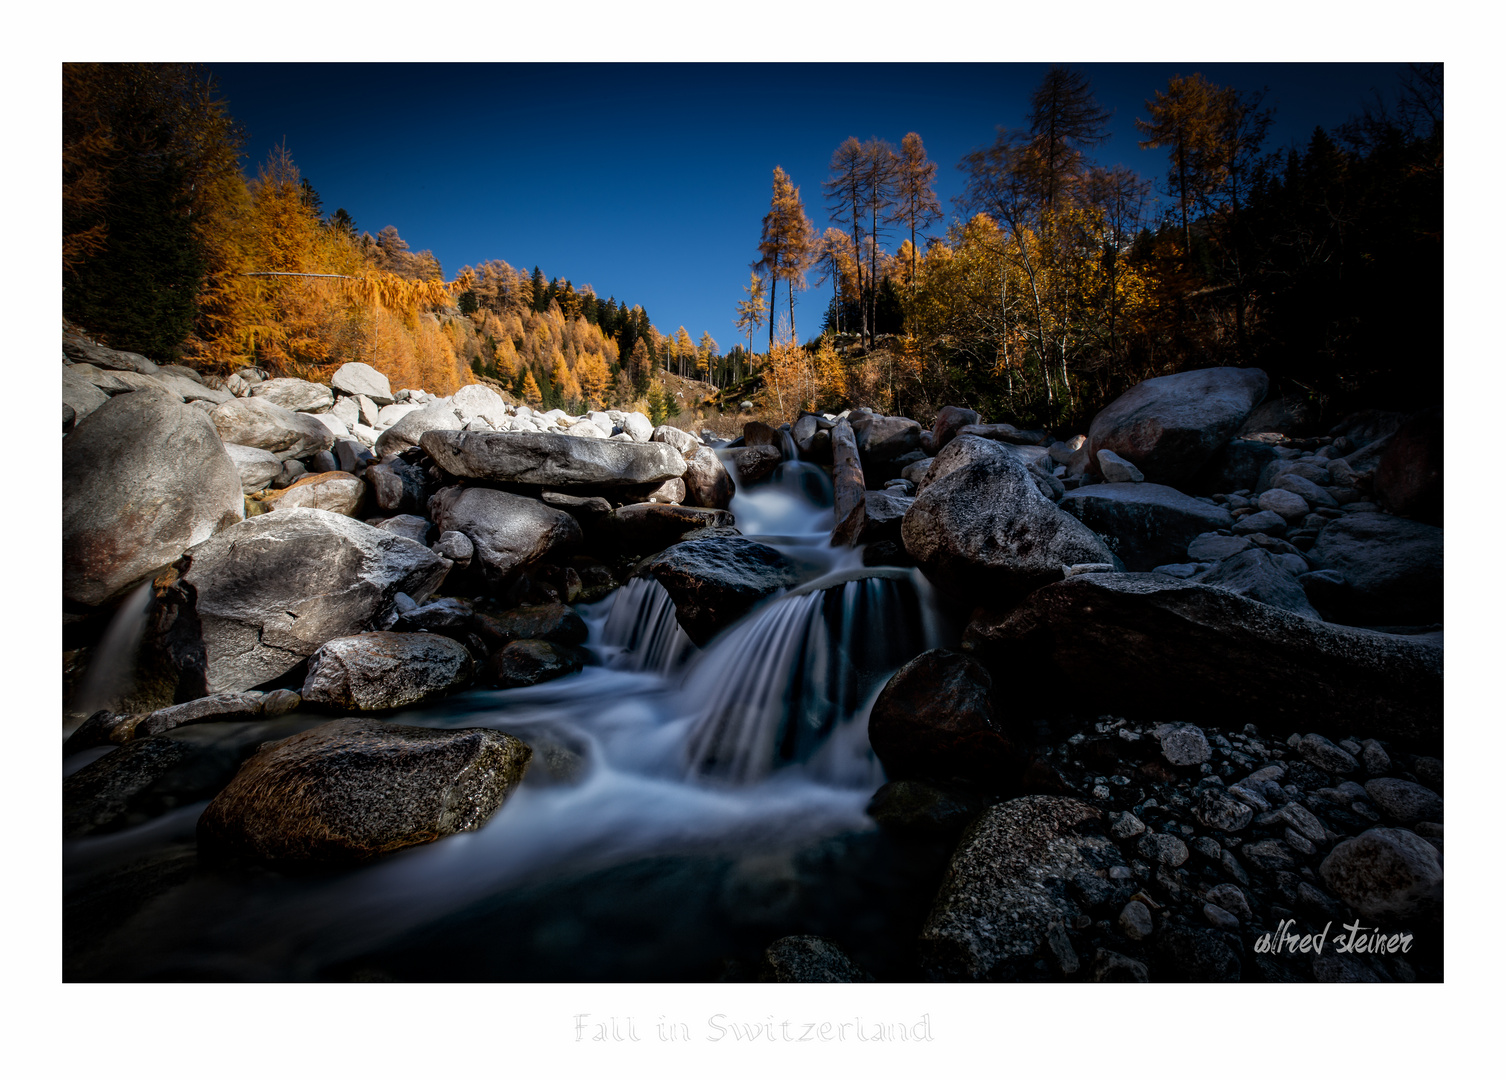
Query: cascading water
(715, 766)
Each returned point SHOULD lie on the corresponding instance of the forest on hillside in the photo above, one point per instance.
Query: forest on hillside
(170, 251)
(1054, 285)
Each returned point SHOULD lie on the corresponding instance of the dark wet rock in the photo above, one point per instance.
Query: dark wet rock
(757, 433)
(883, 517)
(1236, 466)
(913, 807)
(1393, 567)
(641, 528)
(715, 580)
(355, 788)
(1006, 886)
(1386, 874)
(1170, 426)
(351, 456)
(280, 702)
(267, 426)
(707, 482)
(804, 958)
(754, 463)
(398, 486)
(1146, 525)
(1404, 801)
(509, 532)
(385, 670)
(144, 479)
(1135, 921)
(100, 793)
(1184, 650)
(209, 709)
(559, 623)
(337, 492)
(558, 462)
(530, 661)
(1257, 575)
(271, 590)
(934, 718)
(981, 529)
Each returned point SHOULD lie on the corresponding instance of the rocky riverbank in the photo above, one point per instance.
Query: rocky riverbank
(1195, 703)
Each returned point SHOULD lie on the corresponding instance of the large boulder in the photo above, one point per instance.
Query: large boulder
(1392, 567)
(1005, 892)
(884, 438)
(1186, 651)
(934, 718)
(475, 401)
(354, 788)
(1170, 426)
(413, 426)
(707, 481)
(509, 532)
(1146, 525)
(299, 395)
(715, 580)
(271, 590)
(1386, 874)
(384, 670)
(949, 420)
(144, 479)
(356, 378)
(79, 348)
(981, 529)
(557, 462)
(265, 425)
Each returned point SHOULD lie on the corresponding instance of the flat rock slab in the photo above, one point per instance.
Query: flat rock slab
(338, 492)
(385, 670)
(557, 462)
(1146, 525)
(355, 788)
(715, 580)
(1006, 886)
(1188, 651)
(271, 590)
(144, 479)
(300, 395)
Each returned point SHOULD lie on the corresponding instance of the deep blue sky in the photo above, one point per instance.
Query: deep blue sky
(650, 182)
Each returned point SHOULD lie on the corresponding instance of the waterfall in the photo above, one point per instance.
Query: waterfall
(642, 633)
(112, 668)
(776, 688)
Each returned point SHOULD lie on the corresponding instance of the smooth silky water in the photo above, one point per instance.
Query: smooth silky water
(684, 808)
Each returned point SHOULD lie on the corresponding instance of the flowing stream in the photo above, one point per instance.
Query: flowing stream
(684, 807)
